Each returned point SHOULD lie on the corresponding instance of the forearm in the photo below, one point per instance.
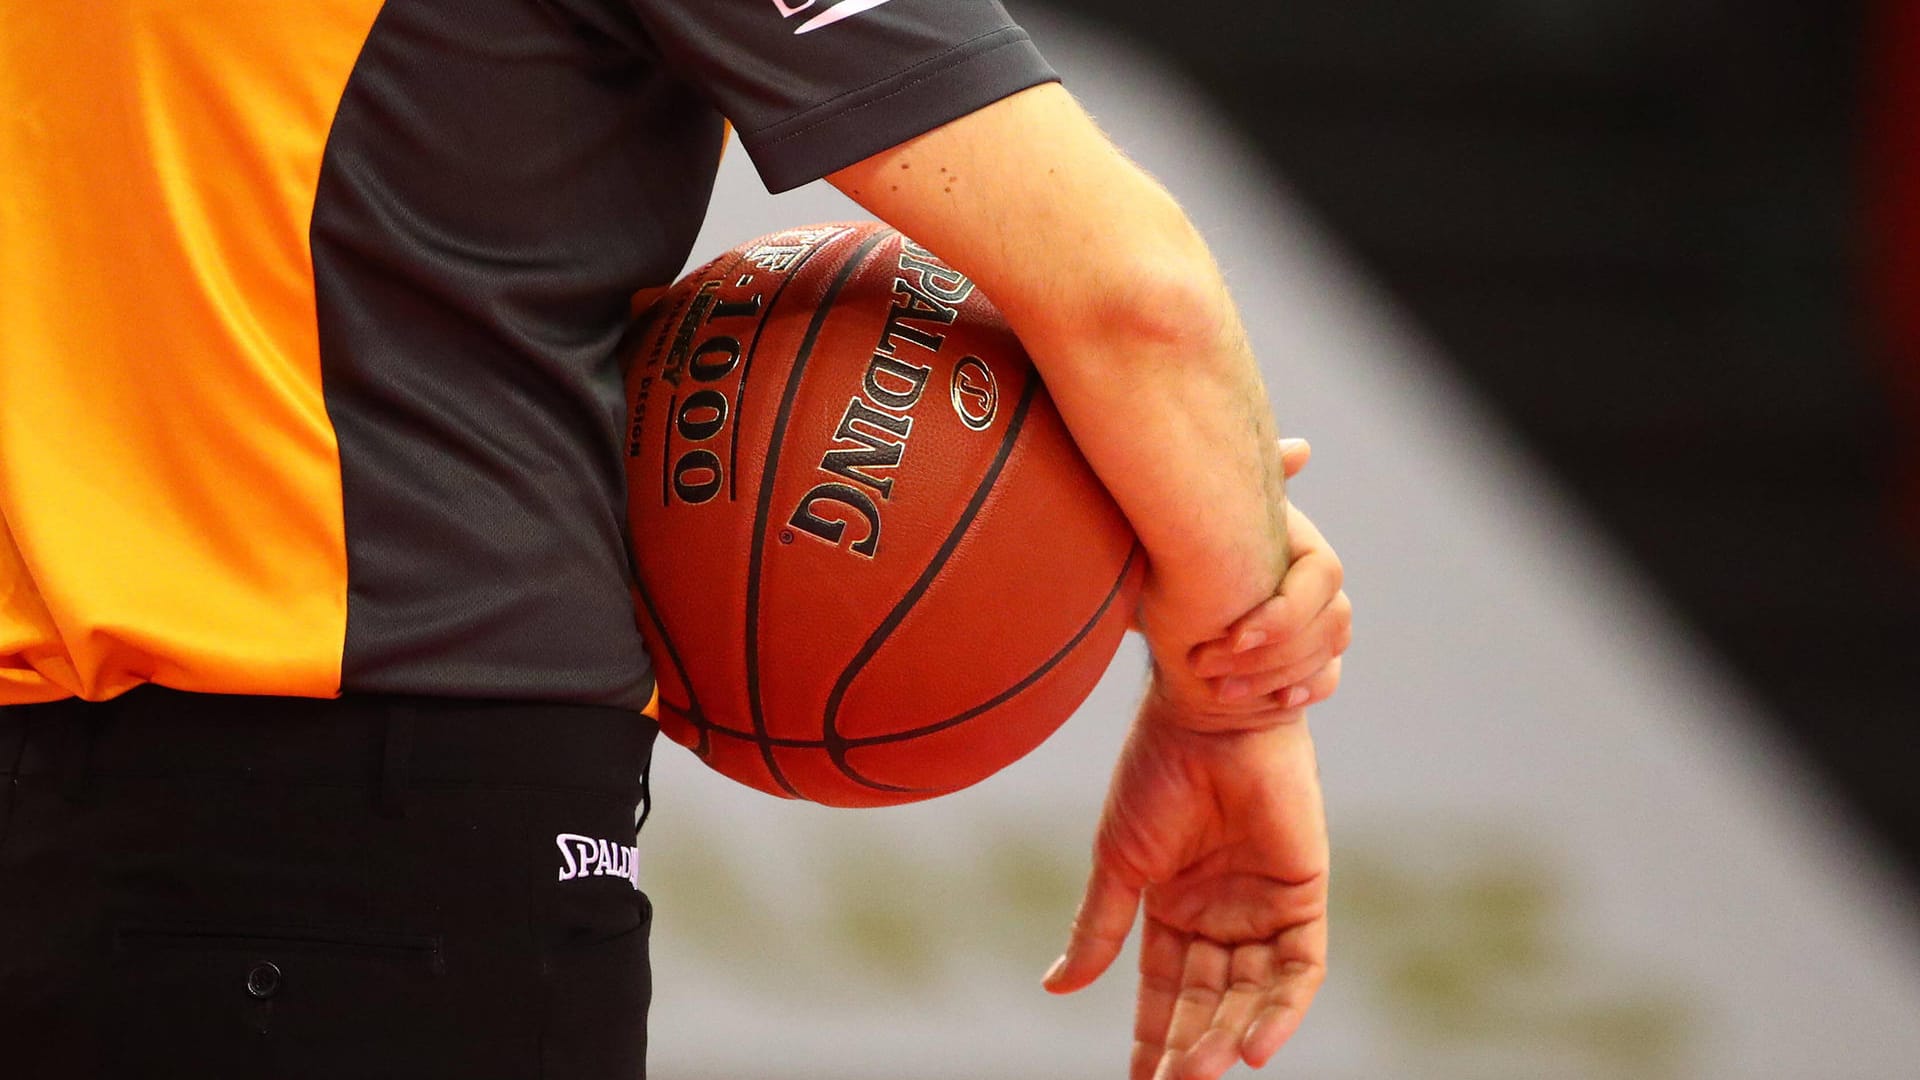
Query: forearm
(1126, 316)
(1165, 399)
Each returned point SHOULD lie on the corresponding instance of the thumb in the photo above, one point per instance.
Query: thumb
(1101, 927)
(1294, 454)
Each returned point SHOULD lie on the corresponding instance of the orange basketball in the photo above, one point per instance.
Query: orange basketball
(873, 567)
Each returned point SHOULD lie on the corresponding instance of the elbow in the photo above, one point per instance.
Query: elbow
(1137, 293)
(1132, 317)
(1171, 302)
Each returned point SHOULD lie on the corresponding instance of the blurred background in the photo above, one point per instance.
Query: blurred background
(1604, 319)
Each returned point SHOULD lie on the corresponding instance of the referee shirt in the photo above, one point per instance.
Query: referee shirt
(308, 314)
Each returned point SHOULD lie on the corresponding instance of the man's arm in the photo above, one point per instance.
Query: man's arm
(1116, 297)
(1213, 821)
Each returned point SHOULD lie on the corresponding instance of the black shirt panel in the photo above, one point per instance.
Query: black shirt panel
(501, 177)
(498, 183)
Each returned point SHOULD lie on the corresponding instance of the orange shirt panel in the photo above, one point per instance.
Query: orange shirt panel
(170, 504)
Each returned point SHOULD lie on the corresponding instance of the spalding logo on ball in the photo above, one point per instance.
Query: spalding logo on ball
(872, 565)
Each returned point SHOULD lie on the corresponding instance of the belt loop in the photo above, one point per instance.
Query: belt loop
(395, 751)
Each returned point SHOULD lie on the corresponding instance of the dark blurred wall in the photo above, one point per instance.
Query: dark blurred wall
(1637, 227)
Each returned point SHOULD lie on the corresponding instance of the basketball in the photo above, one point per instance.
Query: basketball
(872, 566)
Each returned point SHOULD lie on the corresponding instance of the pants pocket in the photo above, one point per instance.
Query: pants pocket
(294, 1003)
(598, 994)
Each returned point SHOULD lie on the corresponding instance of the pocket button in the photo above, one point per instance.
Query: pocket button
(264, 980)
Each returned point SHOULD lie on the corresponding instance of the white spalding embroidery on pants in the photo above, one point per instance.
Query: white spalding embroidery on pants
(584, 856)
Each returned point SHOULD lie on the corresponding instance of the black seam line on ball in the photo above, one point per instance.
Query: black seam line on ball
(1032, 677)
(693, 713)
(757, 547)
(836, 745)
(1119, 582)
(753, 350)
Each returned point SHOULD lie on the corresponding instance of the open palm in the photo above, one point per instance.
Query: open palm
(1223, 836)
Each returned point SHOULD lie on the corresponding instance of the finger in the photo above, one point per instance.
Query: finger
(1099, 929)
(1310, 690)
(1311, 584)
(1163, 952)
(1312, 581)
(1270, 688)
(1326, 634)
(1313, 578)
(1276, 1024)
(1339, 618)
(1203, 979)
(1284, 653)
(1250, 974)
(1279, 681)
(1317, 688)
(1212, 1056)
(1336, 637)
(1145, 1061)
(1297, 979)
(1294, 455)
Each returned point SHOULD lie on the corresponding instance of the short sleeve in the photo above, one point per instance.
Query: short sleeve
(816, 85)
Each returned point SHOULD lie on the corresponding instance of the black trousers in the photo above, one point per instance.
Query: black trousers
(199, 886)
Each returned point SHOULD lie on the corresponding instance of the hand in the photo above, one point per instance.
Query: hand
(1224, 837)
(1286, 652)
